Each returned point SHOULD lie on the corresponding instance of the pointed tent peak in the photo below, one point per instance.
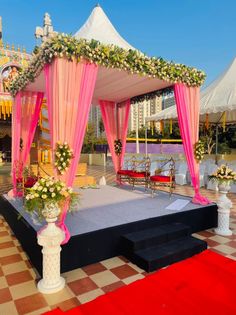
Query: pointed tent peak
(220, 95)
(99, 27)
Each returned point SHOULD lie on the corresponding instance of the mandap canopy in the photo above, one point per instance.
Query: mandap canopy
(73, 74)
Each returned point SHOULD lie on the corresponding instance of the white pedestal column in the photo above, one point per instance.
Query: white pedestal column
(50, 238)
(224, 205)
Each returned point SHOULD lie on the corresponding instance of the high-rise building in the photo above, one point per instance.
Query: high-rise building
(168, 100)
(95, 119)
(140, 110)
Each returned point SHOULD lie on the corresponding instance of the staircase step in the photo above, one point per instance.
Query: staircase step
(168, 253)
(154, 236)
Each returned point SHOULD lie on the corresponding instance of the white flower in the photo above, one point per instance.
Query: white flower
(53, 194)
(61, 159)
(40, 188)
(64, 153)
(51, 189)
(45, 189)
(36, 195)
(44, 196)
(27, 197)
(61, 147)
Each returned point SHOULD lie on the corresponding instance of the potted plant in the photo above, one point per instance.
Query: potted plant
(224, 176)
(47, 197)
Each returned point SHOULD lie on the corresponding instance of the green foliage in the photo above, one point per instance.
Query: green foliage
(89, 139)
(110, 56)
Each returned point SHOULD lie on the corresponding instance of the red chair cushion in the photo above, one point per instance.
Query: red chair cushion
(30, 181)
(139, 174)
(161, 179)
(124, 172)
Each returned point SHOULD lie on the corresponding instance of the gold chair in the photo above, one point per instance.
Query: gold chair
(161, 179)
(141, 173)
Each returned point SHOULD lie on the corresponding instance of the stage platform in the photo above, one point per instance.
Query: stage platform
(104, 216)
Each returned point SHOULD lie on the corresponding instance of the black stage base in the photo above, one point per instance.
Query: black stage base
(95, 246)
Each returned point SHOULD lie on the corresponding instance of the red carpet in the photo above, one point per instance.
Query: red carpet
(204, 284)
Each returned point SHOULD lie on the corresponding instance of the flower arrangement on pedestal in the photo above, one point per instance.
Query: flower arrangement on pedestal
(199, 151)
(223, 175)
(118, 146)
(48, 194)
(63, 156)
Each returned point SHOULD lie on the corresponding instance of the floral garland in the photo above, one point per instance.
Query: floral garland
(223, 174)
(118, 146)
(110, 56)
(199, 151)
(63, 156)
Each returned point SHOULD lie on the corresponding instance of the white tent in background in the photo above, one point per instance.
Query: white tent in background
(99, 27)
(217, 98)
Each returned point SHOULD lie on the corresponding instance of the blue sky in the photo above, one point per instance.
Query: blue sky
(198, 33)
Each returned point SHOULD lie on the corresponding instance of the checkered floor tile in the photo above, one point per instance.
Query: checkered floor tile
(18, 292)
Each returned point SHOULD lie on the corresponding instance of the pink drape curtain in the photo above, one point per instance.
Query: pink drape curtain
(25, 117)
(16, 135)
(69, 91)
(123, 110)
(115, 118)
(31, 104)
(188, 108)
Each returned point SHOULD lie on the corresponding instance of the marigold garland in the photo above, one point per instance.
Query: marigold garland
(110, 56)
(63, 156)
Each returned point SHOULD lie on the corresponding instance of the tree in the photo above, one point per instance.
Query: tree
(89, 139)
(101, 126)
(208, 141)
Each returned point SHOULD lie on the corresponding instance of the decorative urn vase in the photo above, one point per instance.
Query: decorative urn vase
(50, 239)
(224, 205)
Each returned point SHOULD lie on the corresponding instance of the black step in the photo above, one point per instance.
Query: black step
(168, 253)
(154, 236)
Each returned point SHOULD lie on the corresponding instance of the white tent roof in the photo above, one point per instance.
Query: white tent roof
(111, 84)
(99, 27)
(218, 97)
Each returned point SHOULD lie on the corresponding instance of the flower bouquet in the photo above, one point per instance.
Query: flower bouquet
(223, 175)
(118, 146)
(63, 156)
(48, 194)
(199, 151)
